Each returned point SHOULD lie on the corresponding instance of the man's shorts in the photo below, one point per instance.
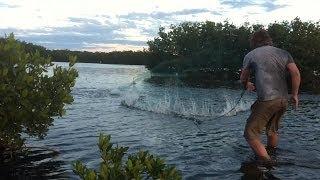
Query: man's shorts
(265, 115)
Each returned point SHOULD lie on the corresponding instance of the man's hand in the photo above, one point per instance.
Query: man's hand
(250, 86)
(295, 101)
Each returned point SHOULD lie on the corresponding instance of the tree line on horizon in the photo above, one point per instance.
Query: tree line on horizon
(115, 57)
(208, 53)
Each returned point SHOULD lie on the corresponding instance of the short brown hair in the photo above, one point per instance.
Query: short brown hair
(260, 38)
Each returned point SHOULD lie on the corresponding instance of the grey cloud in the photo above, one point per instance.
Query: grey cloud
(192, 12)
(74, 37)
(216, 13)
(268, 5)
(238, 3)
(271, 6)
(166, 15)
(84, 20)
(74, 42)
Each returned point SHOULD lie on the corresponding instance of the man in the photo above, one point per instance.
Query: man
(269, 66)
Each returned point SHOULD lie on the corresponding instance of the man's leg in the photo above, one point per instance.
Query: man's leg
(273, 125)
(273, 140)
(261, 112)
(252, 134)
(259, 149)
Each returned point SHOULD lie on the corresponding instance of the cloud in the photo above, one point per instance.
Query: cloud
(4, 5)
(107, 47)
(83, 31)
(271, 6)
(238, 3)
(84, 20)
(268, 5)
(167, 15)
(149, 23)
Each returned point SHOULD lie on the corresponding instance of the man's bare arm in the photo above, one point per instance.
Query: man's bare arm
(295, 77)
(244, 78)
(295, 81)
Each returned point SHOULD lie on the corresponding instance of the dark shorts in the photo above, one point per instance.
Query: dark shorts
(265, 115)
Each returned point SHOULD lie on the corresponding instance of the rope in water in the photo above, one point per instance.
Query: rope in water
(197, 122)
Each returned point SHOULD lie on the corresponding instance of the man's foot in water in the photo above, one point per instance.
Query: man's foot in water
(271, 151)
(266, 162)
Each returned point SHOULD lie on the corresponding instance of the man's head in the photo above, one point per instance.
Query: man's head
(260, 38)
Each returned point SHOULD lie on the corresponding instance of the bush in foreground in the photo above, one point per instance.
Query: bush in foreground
(30, 96)
(138, 166)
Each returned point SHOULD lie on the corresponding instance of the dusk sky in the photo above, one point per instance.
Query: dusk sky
(105, 25)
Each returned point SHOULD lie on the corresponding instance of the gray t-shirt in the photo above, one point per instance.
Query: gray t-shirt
(269, 66)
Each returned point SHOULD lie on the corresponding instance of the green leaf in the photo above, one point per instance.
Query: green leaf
(5, 71)
(72, 60)
(91, 175)
(24, 93)
(129, 163)
(29, 79)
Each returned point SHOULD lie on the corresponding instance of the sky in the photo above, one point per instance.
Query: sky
(105, 25)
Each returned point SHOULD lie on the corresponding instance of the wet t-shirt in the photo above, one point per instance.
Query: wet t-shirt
(269, 66)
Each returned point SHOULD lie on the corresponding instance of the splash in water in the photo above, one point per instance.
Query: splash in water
(232, 108)
(179, 106)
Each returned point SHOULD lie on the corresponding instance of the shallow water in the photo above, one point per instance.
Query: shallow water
(161, 119)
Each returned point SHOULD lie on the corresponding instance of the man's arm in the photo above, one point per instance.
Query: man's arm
(244, 78)
(295, 81)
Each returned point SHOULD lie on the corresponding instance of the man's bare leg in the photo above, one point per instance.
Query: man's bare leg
(273, 140)
(259, 149)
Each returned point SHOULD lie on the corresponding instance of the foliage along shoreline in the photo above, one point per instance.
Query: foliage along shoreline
(209, 54)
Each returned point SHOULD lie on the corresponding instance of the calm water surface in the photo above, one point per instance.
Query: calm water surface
(157, 118)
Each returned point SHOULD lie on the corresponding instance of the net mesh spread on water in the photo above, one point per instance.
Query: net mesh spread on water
(172, 94)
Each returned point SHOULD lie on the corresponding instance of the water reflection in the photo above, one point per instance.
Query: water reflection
(252, 170)
(39, 163)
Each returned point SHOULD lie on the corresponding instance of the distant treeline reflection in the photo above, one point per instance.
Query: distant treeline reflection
(207, 53)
